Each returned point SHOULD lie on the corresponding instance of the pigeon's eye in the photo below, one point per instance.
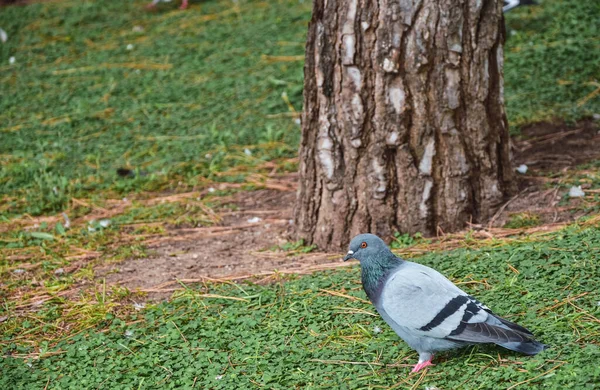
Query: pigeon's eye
(363, 245)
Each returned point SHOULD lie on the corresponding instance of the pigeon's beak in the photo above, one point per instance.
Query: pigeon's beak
(349, 256)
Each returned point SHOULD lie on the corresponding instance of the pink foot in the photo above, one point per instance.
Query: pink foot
(184, 4)
(419, 366)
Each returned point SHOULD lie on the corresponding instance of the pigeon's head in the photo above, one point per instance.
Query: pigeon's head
(365, 247)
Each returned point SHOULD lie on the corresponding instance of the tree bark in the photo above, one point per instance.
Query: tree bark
(403, 126)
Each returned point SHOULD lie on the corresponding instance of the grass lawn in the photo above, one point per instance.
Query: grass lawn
(194, 91)
(223, 77)
(212, 94)
(320, 332)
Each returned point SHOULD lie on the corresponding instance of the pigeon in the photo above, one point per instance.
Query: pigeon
(510, 4)
(184, 4)
(426, 309)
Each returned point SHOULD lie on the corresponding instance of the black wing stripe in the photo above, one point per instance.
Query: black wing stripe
(481, 305)
(471, 310)
(451, 307)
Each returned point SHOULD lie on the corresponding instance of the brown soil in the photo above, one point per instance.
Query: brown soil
(243, 244)
(549, 149)
(238, 246)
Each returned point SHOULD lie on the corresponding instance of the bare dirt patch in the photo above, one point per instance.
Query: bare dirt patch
(551, 147)
(551, 152)
(255, 222)
(244, 243)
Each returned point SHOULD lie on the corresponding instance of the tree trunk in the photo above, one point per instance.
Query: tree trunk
(404, 126)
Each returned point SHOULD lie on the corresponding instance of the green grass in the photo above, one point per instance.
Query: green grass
(552, 64)
(296, 334)
(201, 82)
(77, 104)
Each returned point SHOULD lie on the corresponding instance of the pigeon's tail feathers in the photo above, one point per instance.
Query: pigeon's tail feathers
(528, 347)
(512, 325)
(500, 334)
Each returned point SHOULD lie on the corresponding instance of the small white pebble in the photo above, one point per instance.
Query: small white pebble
(104, 222)
(138, 29)
(376, 330)
(208, 156)
(219, 377)
(91, 229)
(125, 200)
(254, 220)
(59, 271)
(129, 47)
(139, 306)
(3, 35)
(211, 189)
(137, 71)
(522, 169)
(18, 271)
(12, 60)
(513, 32)
(247, 152)
(576, 192)
(67, 220)
(29, 365)
(128, 333)
(596, 116)
(298, 121)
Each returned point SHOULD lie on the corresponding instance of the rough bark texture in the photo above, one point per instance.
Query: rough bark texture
(404, 126)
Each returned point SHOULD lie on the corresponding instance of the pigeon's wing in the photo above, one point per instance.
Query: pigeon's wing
(425, 303)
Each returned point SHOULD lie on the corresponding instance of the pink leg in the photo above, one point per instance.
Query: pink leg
(184, 4)
(421, 365)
